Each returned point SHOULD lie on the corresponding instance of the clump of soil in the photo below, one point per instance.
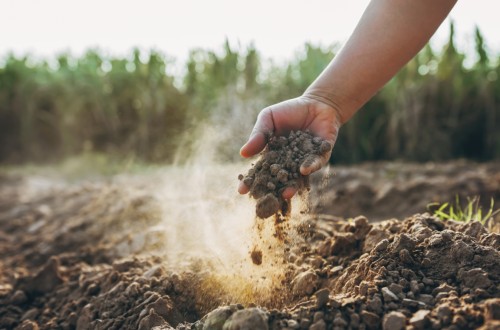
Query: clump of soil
(256, 256)
(279, 168)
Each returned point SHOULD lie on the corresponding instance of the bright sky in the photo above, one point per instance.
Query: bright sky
(277, 27)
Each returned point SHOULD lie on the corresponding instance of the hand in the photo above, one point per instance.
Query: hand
(300, 113)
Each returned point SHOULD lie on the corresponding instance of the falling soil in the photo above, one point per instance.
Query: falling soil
(71, 259)
(278, 168)
(256, 256)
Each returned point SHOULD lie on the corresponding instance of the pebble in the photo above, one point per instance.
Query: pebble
(492, 309)
(305, 283)
(420, 320)
(371, 320)
(322, 297)
(389, 295)
(394, 321)
(426, 298)
(247, 319)
(292, 324)
(318, 316)
(19, 298)
(215, 319)
(318, 325)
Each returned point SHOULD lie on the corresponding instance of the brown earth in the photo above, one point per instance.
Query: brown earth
(278, 168)
(86, 255)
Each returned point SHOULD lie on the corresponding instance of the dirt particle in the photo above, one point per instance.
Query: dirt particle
(267, 206)
(256, 256)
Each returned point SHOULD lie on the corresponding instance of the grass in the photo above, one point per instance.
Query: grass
(472, 211)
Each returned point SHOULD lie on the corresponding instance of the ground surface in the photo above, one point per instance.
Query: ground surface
(116, 254)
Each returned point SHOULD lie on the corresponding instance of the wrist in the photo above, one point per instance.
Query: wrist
(324, 99)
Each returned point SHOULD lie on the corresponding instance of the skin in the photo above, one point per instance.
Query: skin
(388, 35)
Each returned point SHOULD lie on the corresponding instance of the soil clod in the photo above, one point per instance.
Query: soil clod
(256, 256)
(278, 168)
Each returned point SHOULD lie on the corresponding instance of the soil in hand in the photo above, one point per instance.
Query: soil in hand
(278, 168)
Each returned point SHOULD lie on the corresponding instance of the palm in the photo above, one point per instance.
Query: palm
(294, 114)
(297, 114)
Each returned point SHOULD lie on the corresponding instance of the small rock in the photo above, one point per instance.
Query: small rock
(340, 322)
(411, 303)
(335, 270)
(292, 324)
(396, 288)
(19, 298)
(414, 287)
(371, 320)
(427, 281)
(305, 283)
(215, 319)
(405, 257)
(318, 316)
(388, 295)
(30, 314)
(382, 245)
(444, 314)
(459, 321)
(319, 325)
(374, 237)
(305, 323)
(45, 280)
(247, 319)
(322, 297)
(492, 309)
(420, 320)
(440, 296)
(151, 320)
(475, 278)
(355, 319)
(403, 241)
(155, 271)
(362, 227)
(426, 298)
(442, 288)
(28, 325)
(394, 321)
(375, 304)
(93, 289)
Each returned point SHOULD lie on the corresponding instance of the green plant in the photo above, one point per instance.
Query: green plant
(471, 212)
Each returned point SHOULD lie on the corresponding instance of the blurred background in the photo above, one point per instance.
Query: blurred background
(134, 81)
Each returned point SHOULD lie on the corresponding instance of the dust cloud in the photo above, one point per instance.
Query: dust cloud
(210, 226)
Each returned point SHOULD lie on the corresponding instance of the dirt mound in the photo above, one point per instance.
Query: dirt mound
(279, 167)
(84, 257)
(397, 190)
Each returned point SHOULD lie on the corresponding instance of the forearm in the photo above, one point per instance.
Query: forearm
(388, 35)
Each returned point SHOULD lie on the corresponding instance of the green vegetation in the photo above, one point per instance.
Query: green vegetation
(471, 212)
(436, 108)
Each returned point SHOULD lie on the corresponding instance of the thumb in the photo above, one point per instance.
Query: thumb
(263, 129)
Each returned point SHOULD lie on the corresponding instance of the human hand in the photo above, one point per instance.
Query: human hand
(302, 113)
